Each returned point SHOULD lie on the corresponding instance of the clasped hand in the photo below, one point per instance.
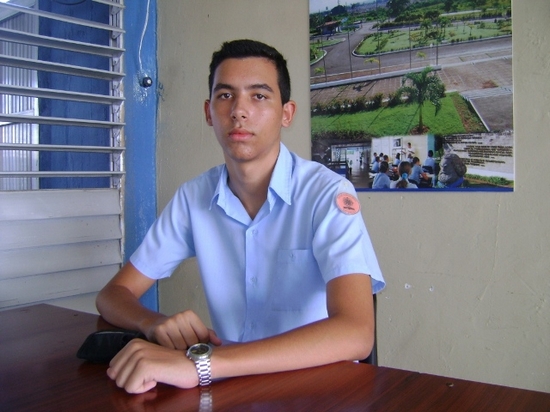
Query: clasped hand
(181, 331)
(141, 365)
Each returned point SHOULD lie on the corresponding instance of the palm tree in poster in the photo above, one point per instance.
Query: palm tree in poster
(422, 87)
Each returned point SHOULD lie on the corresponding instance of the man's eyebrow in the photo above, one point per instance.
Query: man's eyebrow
(263, 86)
(220, 86)
(225, 86)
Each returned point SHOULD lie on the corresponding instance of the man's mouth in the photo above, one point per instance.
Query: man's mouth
(239, 134)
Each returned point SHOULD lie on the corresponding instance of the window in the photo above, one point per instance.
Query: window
(61, 75)
(61, 147)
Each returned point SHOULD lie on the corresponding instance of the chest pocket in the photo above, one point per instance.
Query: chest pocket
(297, 279)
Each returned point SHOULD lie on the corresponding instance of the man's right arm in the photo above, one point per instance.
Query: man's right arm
(118, 303)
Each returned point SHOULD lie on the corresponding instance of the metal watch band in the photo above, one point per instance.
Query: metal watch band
(204, 371)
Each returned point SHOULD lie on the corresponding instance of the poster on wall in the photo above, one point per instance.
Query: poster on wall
(413, 93)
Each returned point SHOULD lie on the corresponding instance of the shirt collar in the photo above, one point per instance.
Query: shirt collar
(278, 186)
(222, 189)
(281, 178)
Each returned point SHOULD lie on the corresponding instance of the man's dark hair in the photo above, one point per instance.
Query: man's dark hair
(240, 49)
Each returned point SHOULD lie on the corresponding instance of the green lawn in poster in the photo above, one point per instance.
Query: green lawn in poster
(370, 54)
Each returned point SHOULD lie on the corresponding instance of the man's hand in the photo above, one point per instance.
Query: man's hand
(181, 331)
(141, 365)
(118, 303)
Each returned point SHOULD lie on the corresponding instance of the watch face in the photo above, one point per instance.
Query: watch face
(199, 349)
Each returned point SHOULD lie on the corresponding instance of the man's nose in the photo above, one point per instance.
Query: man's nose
(239, 110)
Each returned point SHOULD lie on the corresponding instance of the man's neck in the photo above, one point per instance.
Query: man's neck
(250, 183)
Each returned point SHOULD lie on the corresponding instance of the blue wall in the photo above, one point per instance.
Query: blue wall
(140, 201)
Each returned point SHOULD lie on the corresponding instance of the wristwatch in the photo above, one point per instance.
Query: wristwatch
(200, 353)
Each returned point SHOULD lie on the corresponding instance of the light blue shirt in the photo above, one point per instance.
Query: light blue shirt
(415, 173)
(264, 276)
(430, 162)
(381, 181)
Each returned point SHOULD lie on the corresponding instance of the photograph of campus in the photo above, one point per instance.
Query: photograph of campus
(413, 93)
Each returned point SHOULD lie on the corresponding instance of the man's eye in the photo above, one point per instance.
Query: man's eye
(225, 95)
(260, 96)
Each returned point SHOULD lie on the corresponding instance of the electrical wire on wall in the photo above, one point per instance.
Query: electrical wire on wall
(146, 80)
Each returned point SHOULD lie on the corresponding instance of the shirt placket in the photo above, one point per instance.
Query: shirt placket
(253, 287)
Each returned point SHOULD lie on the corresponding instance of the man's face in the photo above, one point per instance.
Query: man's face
(246, 111)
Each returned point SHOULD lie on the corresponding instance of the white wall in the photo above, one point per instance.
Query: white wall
(476, 263)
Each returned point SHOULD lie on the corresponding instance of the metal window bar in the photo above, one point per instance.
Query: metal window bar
(20, 121)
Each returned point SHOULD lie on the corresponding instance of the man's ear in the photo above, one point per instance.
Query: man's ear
(207, 112)
(289, 108)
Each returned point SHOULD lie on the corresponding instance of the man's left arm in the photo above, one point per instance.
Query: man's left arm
(347, 334)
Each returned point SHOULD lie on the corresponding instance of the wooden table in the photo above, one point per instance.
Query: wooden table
(39, 371)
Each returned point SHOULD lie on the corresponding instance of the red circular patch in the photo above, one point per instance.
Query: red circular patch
(348, 203)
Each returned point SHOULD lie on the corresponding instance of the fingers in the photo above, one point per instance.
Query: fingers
(129, 366)
(141, 365)
(181, 331)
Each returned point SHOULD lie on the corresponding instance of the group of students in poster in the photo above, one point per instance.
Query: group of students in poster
(411, 174)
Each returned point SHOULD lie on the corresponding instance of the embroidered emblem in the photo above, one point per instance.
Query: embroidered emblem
(348, 203)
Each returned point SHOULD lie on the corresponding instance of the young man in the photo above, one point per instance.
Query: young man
(429, 163)
(382, 180)
(286, 262)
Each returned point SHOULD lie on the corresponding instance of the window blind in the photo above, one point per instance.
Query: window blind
(61, 74)
(61, 147)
